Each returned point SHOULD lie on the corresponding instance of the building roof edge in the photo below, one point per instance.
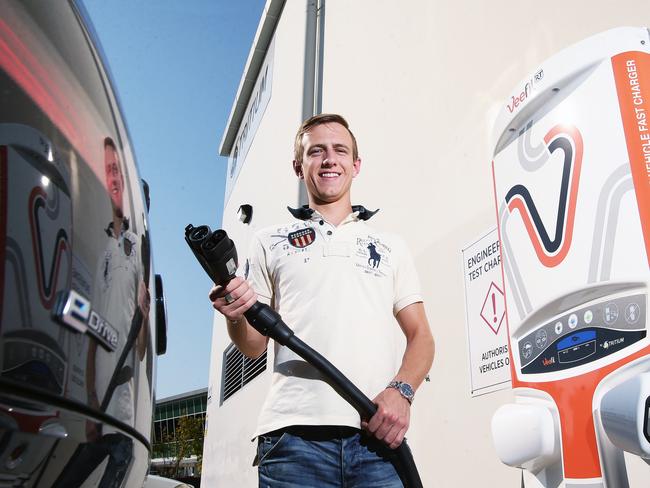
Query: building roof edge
(265, 30)
(181, 395)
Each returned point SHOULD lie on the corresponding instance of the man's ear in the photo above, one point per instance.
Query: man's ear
(297, 168)
(356, 167)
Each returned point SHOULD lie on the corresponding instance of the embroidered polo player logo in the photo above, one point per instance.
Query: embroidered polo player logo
(375, 257)
(302, 238)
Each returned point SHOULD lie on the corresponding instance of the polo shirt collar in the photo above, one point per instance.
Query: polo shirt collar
(110, 231)
(359, 212)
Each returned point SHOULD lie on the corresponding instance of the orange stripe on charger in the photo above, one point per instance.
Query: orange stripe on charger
(632, 78)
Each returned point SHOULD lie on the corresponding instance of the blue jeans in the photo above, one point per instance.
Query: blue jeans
(324, 457)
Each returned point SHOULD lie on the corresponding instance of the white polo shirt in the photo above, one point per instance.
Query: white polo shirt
(115, 298)
(339, 289)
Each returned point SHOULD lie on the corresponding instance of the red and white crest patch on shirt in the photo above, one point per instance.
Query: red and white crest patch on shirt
(302, 238)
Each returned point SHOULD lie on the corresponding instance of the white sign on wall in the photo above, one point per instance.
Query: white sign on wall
(487, 334)
(254, 111)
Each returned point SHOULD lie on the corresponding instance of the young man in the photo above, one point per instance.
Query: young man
(340, 284)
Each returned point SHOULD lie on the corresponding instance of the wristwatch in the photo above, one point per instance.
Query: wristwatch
(405, 389)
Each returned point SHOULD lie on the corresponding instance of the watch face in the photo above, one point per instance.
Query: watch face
(406, 390)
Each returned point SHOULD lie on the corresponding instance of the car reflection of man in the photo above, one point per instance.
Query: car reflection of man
(118, 293)
(121, 297)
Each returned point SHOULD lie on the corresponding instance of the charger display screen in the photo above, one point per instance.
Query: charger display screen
(583, 335)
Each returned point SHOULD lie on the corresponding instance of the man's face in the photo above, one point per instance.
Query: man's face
(327, 163)
(114, 182)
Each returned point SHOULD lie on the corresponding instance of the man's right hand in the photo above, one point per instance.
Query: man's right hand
(234, 299)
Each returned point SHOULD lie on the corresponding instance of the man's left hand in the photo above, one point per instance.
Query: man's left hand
(391, 421)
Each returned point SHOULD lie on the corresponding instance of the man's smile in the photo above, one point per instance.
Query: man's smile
(329, 174)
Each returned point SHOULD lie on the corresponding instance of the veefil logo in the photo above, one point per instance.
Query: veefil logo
(552, 252)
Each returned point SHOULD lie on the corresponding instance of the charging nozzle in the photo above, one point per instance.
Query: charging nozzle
(215, 251)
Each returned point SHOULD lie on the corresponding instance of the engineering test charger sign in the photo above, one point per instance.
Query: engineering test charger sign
(571, 175)
(487, 337)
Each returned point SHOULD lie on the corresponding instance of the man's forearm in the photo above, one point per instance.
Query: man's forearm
(420, 347)
(417, 360)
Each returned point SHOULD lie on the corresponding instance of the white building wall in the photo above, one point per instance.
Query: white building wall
(420, 83)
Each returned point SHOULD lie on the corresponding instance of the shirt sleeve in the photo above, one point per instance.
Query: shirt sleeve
(256, 271)
(407, 283)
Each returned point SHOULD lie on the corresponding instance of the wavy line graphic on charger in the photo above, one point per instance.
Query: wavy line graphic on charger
(551, 252)
(40, 202)
(617, 185)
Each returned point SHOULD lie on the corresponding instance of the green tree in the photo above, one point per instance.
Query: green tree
(189, 440)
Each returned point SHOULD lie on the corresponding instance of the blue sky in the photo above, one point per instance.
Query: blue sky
(176, 66)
